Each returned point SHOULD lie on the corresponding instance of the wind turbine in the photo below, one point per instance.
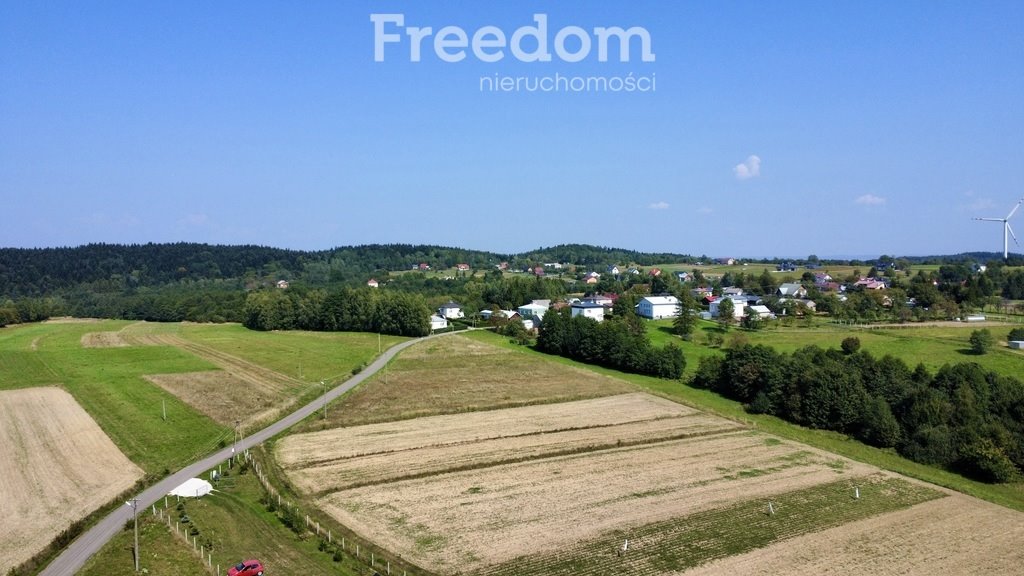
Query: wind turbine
(1007, 231)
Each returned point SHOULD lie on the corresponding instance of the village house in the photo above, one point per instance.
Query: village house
(791, 290)
(282, 284)
(588, 310)
(870, 284)
(451, 310)
(438, 323)
(738, 304)
(372, 283)
(658, 307)
(535, 310)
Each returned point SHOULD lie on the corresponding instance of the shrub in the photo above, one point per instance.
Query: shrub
(981, 341)
(850, 345)
(1015, 334)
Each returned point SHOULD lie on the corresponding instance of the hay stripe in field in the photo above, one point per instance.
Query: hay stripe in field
(390, 466)
(312, 448)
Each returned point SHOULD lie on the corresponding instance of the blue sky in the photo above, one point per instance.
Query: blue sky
(774, 129)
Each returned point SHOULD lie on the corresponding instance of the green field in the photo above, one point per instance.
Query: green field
(108, 384)
(932, 346)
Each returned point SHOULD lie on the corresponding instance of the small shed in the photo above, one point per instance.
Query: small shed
(1017, 344)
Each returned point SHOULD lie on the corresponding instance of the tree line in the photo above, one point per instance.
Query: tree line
(963, 417)
(344, 310)
(620, 343)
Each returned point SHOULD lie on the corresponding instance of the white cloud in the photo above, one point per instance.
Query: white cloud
(870, 200)
(704, 210)
(749, 168)
(662, 205)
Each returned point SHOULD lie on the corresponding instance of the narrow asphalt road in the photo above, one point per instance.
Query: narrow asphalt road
(75, 556)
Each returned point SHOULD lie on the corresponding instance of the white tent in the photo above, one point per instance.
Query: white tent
(193, 488)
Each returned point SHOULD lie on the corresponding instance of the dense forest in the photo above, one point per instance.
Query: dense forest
(963, 417)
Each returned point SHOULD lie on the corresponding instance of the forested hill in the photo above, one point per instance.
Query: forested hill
(45, 271)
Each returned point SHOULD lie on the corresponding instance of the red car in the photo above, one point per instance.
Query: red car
(246, 568)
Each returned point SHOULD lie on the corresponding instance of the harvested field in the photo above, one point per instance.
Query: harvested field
(104, 340)
(953, 535)
(434, 377)
(467, 520)
(222, 396)
(58, 467)
(375, 453)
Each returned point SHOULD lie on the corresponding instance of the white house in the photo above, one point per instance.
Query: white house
(791, 290)
(451, 311)
(613, 270)
(762, 312)
(282, 284)
(588, 310)
(658, 307)
(533, 310)
(738, 304)
(372, 283)
(438, 323)
(600, 300)
(732, 291)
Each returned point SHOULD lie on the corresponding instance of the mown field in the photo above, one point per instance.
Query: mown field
(459, 374)
(58, 466)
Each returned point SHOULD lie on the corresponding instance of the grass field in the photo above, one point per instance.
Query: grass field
(930, 345)
(232, 525)
(457, 374)
(58, 466)
(161, 553)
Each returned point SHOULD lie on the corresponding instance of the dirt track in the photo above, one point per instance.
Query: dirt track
(58, 466)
